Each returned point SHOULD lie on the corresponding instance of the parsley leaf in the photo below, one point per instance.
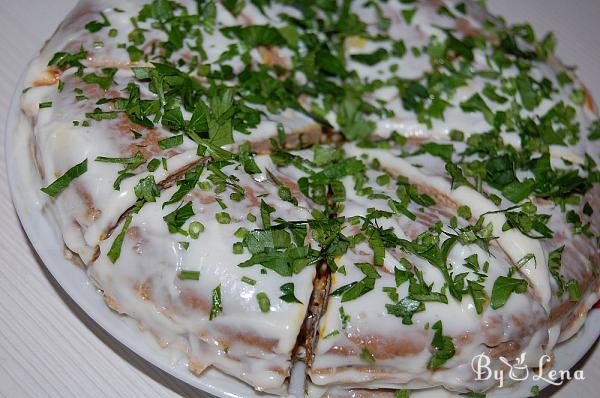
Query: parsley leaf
(351, 119)
(255, 35)
(372, 58)
(442, 345)
(65, 60)
(171, 142)
(356, 289)
(185, 185)
(178, 217)
(104, 81)
(217, 306)
(404, 393)
(147, 189)
(132, 161)
(478, 295)
(98, 115)
(504, 286)
(95, 26)
(246, 159)
(516, 191)
(219, 116)
(115, 249)
(529, 97)
(443, 151)
(476, 104)
(63, 181)
(288, 293)
(405, 309)
(265, 211)
(594, 130)
(366, 355)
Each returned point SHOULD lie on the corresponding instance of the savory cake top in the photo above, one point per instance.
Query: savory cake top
(382, 189)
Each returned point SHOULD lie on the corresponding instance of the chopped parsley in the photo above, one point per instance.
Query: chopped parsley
(354, 290)
(185, 185)
(171, 142)
(95, 26)
(105, 80)
(115, 249)
(178, 217)
(146, 189)
(63, 181)
(443, 347)
(366, 355)
(344, 317)
(217, 306)
(504, 286)
(134, 161)
(288, 293)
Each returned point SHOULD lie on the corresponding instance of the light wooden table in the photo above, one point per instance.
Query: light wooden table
(50, 348)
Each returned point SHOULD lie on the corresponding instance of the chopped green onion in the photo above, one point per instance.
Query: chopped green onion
(195, 229)
(189, 275)
(249, 281)
(263, 302)
(223, 217)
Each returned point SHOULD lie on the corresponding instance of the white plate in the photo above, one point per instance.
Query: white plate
(47, 241)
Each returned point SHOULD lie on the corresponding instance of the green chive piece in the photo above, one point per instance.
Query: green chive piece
(263, 302)
(238, 248)
(249, 281)
(195, 229)
(189, 275)
(223, 217)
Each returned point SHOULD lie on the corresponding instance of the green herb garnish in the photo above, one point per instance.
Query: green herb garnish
(63, 181)
(115, 249)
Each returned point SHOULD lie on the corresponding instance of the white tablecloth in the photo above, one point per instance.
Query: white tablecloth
(50, 348)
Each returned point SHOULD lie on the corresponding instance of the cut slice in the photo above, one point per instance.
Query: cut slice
(189, 271)
(407, 279)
